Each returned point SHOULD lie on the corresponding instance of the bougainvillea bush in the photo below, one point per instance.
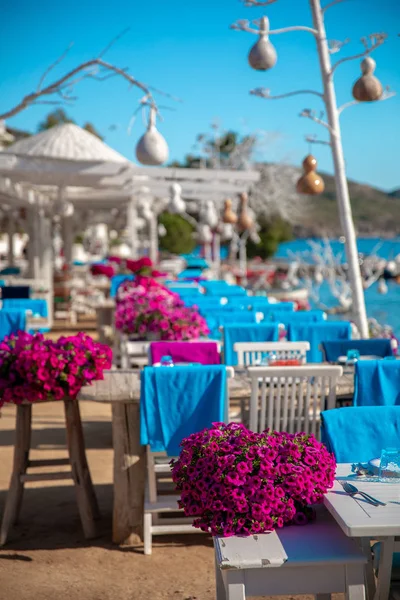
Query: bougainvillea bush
(145, 306)
(35, 369)
(236, 482)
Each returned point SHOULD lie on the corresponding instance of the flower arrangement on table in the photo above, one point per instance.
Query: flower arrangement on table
(35, 369)
(145, 306)
(236, 482)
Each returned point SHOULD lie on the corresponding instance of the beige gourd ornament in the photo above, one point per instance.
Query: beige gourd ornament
(229, 216)
(367, 88)
(310, 183)
(262, 55)
(245, 222)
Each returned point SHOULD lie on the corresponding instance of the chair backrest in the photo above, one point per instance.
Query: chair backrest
(203, 352)
(178, 401)
(252, 353)
(358, 434)
(242, 332)
(291, 398)
(128, 353)
(15, 291)
(375, 347)
(377, 383)
(316, 333)
(301, 316)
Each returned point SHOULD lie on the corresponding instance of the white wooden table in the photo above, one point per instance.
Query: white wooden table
(359, 519)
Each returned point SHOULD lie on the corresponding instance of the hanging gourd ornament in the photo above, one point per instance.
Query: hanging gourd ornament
(229, 216)
(152, 149)
(245, 222)
(262, 55)
(367, 88)
(310, 183)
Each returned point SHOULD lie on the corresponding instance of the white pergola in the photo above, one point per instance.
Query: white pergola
(65, 164)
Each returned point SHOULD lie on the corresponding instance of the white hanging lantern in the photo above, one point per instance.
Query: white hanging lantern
(152, 149)
(204, 233)
(382, 287)
(262, 55)
(209, 215)
(176, 204)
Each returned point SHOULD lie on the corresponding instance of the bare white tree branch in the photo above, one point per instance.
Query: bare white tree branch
(265, 93)
(53, 65)
(370, 43)
(293, 28)
(89, 69)
(337, 45)
(311, 114)
(312, 139)
(258, 2)
(244, 25)
(385, 96)
(325, 8)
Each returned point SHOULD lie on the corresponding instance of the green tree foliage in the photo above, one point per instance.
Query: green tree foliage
(179, 237)
(272, 232)
(229, 150)
(59, 117)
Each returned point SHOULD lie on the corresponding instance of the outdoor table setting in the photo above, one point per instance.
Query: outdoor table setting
(362, 518)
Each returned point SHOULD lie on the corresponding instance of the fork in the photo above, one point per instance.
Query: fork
(352, 491)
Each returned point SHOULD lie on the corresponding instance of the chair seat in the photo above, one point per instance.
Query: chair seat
(321, 542)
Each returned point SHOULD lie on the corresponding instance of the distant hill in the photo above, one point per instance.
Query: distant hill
(375, 212)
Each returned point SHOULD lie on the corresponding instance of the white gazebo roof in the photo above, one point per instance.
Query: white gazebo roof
(66, 142)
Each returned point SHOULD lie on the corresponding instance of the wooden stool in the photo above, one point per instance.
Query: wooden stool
(316, 559)
(85, 496)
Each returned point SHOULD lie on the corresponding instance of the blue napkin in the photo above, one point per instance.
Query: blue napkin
(277, 308)
(38, 306)
(374, 347)
(358, 434)
(178, 401)
(316, 333)
(116, 281)
(216, 319)
(11, 321)
(190, 274)
(301, 316)
(227, 290)
(239, 332)
(377, 383)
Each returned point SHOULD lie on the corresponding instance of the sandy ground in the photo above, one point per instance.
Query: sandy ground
(47, 557)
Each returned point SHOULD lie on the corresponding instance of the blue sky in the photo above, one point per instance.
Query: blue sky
(187, 49)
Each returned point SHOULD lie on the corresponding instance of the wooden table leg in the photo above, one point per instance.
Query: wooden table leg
(86, 498)
(385, 569)
(21, 460)
(129, 474)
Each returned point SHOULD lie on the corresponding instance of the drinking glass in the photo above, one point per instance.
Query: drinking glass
(389, 468)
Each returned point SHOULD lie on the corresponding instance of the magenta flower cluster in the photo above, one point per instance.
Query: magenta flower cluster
(236, 482)
(145, 306)
(35, 369)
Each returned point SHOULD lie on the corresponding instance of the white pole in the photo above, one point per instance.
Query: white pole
(243, 258)
(132, 218)
(217, 254)
(342, 191)
(11, 232)
(68, 234)
(153, 232)
(208, 253)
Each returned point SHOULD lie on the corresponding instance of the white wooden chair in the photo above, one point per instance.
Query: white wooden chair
(157, 506)
(128, 353)
(317, 559)
(291, 398)
(251, 353)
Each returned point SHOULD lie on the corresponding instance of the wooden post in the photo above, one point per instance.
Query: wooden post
(86, 498)
(21, 460)
(122, 389)
(129, 474)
